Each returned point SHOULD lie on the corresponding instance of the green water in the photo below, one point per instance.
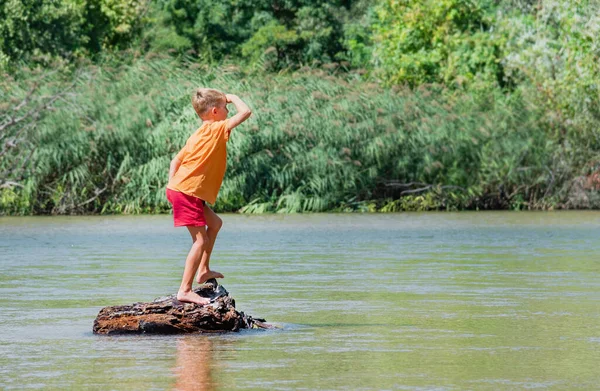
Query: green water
(482, 301)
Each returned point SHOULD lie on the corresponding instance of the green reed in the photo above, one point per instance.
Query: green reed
(316, 142)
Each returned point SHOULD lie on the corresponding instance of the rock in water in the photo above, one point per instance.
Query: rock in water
(167, 315)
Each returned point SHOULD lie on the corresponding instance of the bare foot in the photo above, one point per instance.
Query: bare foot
(192, 297)
(201, 278)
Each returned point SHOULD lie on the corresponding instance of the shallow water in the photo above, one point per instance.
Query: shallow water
(434, 301)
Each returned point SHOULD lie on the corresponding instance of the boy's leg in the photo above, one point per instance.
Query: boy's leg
(192, 262)
(214, 224)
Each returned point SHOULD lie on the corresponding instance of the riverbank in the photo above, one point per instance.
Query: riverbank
(318, 141)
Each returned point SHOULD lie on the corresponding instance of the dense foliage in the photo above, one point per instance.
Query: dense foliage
(271, 34)
(318, 142)
(39, 29)
(280, 33)
(386, 105)
(429, 41)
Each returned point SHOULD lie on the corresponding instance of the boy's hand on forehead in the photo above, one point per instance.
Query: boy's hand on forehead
(243, 111)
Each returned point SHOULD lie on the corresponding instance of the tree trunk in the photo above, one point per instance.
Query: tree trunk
(167, 315)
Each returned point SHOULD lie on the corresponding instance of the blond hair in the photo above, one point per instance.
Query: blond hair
(206, 98)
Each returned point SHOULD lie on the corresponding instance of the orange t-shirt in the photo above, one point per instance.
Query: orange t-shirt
(203, 162)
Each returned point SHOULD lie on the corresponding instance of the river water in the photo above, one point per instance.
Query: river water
(435, 301)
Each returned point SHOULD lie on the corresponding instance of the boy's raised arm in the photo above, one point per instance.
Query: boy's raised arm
(243, 111)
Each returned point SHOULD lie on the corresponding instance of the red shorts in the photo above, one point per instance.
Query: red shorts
(187, 209)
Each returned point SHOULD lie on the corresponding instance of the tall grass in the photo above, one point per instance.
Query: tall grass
(316, 142)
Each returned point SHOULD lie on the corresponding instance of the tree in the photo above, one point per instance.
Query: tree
(436, 41)
(40, 29)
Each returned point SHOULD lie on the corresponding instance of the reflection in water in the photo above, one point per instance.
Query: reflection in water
(194, 363)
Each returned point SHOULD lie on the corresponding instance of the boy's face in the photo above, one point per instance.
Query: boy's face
(220, 112)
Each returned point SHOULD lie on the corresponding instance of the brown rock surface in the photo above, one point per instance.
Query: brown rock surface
(167, 315)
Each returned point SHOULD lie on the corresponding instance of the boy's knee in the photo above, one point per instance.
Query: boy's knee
(219, 223)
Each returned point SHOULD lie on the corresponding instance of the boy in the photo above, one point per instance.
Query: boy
(195, 176)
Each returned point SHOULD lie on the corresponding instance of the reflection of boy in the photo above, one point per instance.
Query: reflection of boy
(194, 364)
(195, 176)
